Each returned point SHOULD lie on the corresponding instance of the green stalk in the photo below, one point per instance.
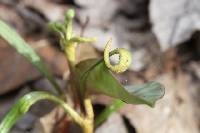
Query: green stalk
(116, 105)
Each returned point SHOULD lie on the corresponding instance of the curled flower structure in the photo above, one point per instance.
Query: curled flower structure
(124, 58)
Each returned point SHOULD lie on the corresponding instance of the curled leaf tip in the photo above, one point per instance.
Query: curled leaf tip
(124, 58)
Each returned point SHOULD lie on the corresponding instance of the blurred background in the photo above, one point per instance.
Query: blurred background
(163, 36)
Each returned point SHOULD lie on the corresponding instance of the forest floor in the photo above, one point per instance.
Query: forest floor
(128, 24)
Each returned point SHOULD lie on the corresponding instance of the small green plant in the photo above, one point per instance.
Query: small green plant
(91, 75)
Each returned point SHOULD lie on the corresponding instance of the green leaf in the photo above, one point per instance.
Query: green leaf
(23, 105)
(94, 76)
(146, 90)
(24, 49)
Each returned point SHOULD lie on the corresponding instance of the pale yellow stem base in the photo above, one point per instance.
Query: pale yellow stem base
(88, 125)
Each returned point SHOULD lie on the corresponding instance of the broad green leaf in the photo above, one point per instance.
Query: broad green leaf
(23, 105)
(145, 90)
(24, 49)
(94, 76)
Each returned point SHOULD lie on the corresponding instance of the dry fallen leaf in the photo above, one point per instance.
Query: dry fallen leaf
(174, 113)
(174, 21)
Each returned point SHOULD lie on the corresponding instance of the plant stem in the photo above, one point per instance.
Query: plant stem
(89, 108)
(70, 43)
(88, 124)
(70, 52)
(117, 104)
(75, 116)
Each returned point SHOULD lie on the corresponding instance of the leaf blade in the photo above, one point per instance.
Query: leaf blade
(25, 50)
(99, 79)
(23, 105)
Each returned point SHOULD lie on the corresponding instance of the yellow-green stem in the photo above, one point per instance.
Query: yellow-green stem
(88, 124)
(70, 52)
